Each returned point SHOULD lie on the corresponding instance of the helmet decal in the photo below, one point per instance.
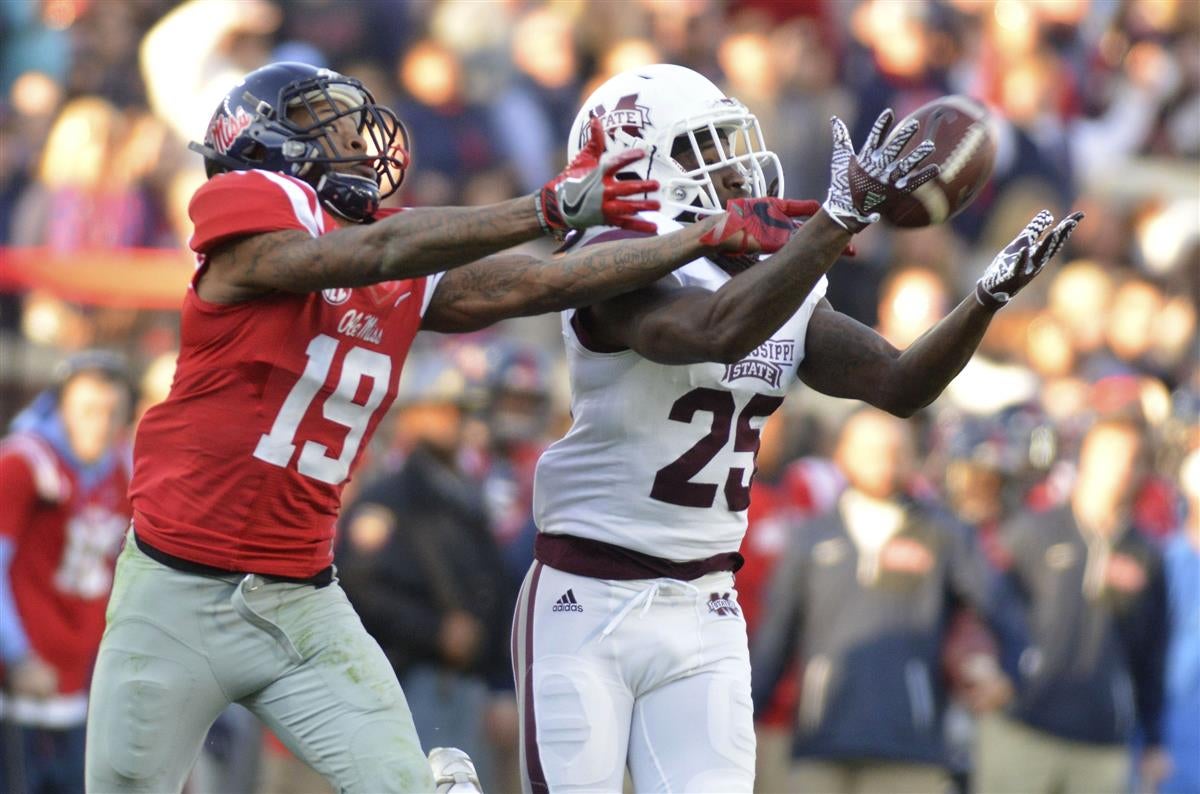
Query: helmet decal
(225, 129)
(627, 115)
(666, 110)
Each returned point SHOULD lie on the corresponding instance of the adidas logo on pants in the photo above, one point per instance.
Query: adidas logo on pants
(567, 603)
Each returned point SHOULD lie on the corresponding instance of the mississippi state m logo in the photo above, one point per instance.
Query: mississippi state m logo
(626, 115)
(722, 604)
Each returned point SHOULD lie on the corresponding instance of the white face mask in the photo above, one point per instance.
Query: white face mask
(738, 143)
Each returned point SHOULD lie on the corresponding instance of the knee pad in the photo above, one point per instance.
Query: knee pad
(729, 781)
(731, 723)
(138, 698)
(579, 738)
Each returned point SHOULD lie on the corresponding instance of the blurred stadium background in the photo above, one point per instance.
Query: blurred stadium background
(1099, 102)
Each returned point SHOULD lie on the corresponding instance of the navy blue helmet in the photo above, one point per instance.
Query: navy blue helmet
(257, 125)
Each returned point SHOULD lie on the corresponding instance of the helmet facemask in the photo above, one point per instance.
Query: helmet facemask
(737, 141)
(313, 152)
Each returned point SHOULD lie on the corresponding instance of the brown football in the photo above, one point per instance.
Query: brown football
(964, 145)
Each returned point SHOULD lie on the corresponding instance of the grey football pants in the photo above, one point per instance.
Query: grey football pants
(179, 647)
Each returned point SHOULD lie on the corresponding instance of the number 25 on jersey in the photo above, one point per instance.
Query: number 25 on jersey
(673, 483)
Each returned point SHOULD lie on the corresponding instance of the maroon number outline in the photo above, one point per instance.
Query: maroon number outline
(673, 482)
(746, 439)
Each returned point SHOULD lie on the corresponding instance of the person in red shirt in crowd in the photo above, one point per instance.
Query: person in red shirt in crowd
(63, 476)
(783, 493)
(293, 334)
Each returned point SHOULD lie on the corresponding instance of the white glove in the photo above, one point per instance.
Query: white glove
(1023, 258)
(860, 183)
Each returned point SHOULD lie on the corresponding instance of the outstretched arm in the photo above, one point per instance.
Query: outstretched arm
(493, 289)
(427, 240)
(673, 325)
(405, 245)
(514, 285)
(844, 358)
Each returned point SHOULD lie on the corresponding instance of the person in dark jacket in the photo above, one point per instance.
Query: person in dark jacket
(420, 564)
(863, 600)
(1094, 593)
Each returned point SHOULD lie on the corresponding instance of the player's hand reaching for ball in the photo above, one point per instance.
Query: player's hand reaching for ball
(756, 225)
(860, 183)
(1023, 258)
(588, 193)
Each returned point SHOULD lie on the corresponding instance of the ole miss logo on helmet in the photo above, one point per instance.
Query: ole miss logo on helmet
(225, 129)
(626, 115)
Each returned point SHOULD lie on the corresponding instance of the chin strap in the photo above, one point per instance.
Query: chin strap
(355, 198)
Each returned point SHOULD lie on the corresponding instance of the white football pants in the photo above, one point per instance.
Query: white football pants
(653, 672)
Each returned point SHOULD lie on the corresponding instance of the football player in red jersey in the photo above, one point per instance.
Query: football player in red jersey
(63, 512)
(293, 333)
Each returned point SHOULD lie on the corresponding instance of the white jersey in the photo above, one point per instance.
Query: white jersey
(659, 457)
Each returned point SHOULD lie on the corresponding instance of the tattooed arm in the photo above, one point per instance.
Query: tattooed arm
(404, 245)
(844, 358)
(499, 287)
(684, 325)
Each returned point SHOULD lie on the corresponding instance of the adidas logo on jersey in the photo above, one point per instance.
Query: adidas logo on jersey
(567, 603)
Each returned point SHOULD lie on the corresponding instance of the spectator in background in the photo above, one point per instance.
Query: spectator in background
(1094, 594)
(517, 415)
(533, 116)
(1080, 297)
(1129, 332)
(194, 53)
(863, 598)
(1181, 724)
(87, 193)
(63, 477)
(449, 136)
(783, 492)
(419, 562)
(912, 299)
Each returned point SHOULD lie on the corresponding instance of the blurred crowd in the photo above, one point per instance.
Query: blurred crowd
(1098, 108)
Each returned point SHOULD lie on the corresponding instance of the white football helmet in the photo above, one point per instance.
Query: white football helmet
(649, 108)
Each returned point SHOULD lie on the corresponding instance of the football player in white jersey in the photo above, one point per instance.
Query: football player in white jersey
(628, 644)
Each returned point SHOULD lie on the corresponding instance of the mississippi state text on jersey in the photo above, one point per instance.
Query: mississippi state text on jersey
(659, 458)
(274, 399)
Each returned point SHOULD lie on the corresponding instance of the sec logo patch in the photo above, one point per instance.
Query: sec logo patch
(336, 296)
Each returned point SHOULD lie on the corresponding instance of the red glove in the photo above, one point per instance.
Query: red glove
(588, 193)
(757, 225)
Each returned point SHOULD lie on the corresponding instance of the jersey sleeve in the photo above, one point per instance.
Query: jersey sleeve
(18, 494)
(431, 284)
(242, 203)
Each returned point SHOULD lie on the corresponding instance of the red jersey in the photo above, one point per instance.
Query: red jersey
(66, 534)
(274, 399)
